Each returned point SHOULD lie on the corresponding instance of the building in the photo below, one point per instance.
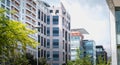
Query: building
(76, 41)
(100, 52)
(114, 13)
(42, 12)
(58, 35)
(53, 27)
(90, 50)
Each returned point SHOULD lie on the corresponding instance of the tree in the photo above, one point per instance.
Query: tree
(102, 62)
(34, 61)
(13, 33)
(80, 60)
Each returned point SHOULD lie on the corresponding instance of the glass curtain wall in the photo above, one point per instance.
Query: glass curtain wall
(117, 16)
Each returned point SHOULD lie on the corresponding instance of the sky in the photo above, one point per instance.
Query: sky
(92, 15)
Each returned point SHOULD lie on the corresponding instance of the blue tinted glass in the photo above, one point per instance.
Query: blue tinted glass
(48, 43)
(55, 43)
(48, 19)
(56, 55)
(55, 31)
(48, 55)
(48, 31)
(55, 19)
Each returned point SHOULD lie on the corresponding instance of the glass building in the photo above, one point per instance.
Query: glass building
(76, 41)
(114, 7)
(90, 50)
(75, 44)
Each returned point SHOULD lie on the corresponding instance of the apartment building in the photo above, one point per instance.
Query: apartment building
(53, 27)
(114, 14)
(58, 35)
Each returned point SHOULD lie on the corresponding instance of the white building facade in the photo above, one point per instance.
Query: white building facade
(54, 32)
(114, 6)
(58, 35)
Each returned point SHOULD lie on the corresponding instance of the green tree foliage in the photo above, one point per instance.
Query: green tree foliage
(34, 61)
(102, 62)
(80, 60)
(13, 33)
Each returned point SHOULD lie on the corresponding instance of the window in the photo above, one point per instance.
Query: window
(41, 52)
(44, 30)
(63, 21)
(8, 11)
(51, 11)
(48, 31)
(42, 17)
(48, 43)
(69, 36)
(57, 11)
(38, 38)
(63, 32)
(63, 56)
(63, 44)
(41, 28)
(45, 18)
(69, 26)
(44, 42)
(44, 53)
(39, 23)
(41, 41)
(55, 31)
(48, 19)
(66, 36)
(117, 16)
(8, 2)
(3, 6)
(55, 43)
(55, 19)
(3, 1)
(38, 14)
(55, 55)
(48, 55)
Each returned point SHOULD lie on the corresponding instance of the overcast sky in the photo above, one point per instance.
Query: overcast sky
(91, 15)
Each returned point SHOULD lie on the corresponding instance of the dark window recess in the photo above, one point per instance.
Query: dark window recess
(45, 18)
(44, 54)
(44, 30)
(44, 42)
(38, 38)
(41, 41)
(41, 28)
(41, 52)
(38, 14)
(48, 43)
(48, 19)
(48, 31)
(57, 11)
(51, 11)
(66, 36)
(42, 17)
